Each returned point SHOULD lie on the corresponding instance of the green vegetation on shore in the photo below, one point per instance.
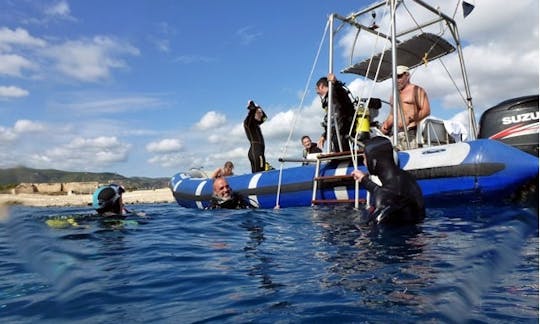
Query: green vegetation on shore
(11, 177)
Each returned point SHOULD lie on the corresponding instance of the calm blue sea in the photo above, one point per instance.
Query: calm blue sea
(465, 263)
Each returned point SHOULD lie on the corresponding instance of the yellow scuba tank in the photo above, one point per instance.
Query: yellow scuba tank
(268, 167)
(363, 122)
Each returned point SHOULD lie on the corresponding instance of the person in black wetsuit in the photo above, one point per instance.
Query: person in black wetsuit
(342, 107)
(107, 200)
(399, 200)
(254, 119)
(224, 197)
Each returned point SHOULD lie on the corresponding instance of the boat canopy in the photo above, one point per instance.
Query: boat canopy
(413, 52)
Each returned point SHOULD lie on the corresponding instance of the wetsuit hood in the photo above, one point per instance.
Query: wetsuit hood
(379, 155)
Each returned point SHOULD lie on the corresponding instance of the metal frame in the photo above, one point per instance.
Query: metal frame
(439, 16)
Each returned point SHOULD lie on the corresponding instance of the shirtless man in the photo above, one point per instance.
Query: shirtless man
(226, 171)
(415, 104)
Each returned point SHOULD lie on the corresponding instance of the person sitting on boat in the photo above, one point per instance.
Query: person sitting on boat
(107, 200)
(415, 106)
(254, 119)
(343, 109)
(399, 199)
(224, 197)
(309, 148)
(226, 171)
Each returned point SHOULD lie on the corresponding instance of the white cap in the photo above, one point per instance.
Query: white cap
(402, 69)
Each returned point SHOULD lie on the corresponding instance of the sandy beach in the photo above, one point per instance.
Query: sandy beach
(162, 195)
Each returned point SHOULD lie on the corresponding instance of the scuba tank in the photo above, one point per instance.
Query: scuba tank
(363, 122)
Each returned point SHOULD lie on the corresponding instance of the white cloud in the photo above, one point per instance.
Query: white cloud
(12, 92)
(167, 145)
(235, 154)
(247, 35)
(167, 160)
(28, 126)
(113, 105)
(19, 129)
(81, 152)
(60, 8)
(18, 36)
(90, 60)
(13, 65)
(6, 135)
(211, 119)
(163, 45)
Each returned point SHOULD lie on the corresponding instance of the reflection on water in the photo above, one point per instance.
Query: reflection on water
(387, 258)
(463, 263)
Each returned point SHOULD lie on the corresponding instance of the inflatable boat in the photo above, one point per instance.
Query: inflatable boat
(502, 161)
(483, 169)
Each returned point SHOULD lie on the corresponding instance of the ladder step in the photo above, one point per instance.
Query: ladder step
(336, 201)
(334, 178)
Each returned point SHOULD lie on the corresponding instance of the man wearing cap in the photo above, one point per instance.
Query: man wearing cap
(415, 107)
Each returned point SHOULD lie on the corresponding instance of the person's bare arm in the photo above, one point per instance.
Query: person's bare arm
(424, 109)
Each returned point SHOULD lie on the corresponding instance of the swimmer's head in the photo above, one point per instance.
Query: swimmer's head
(108, 199)
(379, 154)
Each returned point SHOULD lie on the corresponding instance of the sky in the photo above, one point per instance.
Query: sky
(152, 88)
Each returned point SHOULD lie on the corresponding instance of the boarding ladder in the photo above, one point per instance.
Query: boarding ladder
(332, 181)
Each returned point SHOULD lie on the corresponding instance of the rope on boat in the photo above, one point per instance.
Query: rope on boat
(365, 77)
(356, 143)
(442, 32)
(308, 82)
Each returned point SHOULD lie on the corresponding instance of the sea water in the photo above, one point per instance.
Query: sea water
(464, 263)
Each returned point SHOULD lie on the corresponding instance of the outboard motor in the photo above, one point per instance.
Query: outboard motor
(514, 122)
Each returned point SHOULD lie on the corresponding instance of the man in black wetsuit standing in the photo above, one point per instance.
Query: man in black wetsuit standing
(342, 109)
(254, 119)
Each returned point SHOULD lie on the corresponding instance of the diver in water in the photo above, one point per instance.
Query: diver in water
(399, 200)
(107, 200)
(224, 197)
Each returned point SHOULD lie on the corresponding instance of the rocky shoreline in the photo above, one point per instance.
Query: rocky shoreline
(163, 195)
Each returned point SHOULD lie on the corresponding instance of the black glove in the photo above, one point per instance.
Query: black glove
(252, 105)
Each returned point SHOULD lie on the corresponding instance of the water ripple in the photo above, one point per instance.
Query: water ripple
(464, 263)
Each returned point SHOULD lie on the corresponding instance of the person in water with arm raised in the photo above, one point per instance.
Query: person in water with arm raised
(256, 116)
(399, 199)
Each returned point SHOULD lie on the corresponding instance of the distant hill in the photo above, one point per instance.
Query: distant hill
(13, 176)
